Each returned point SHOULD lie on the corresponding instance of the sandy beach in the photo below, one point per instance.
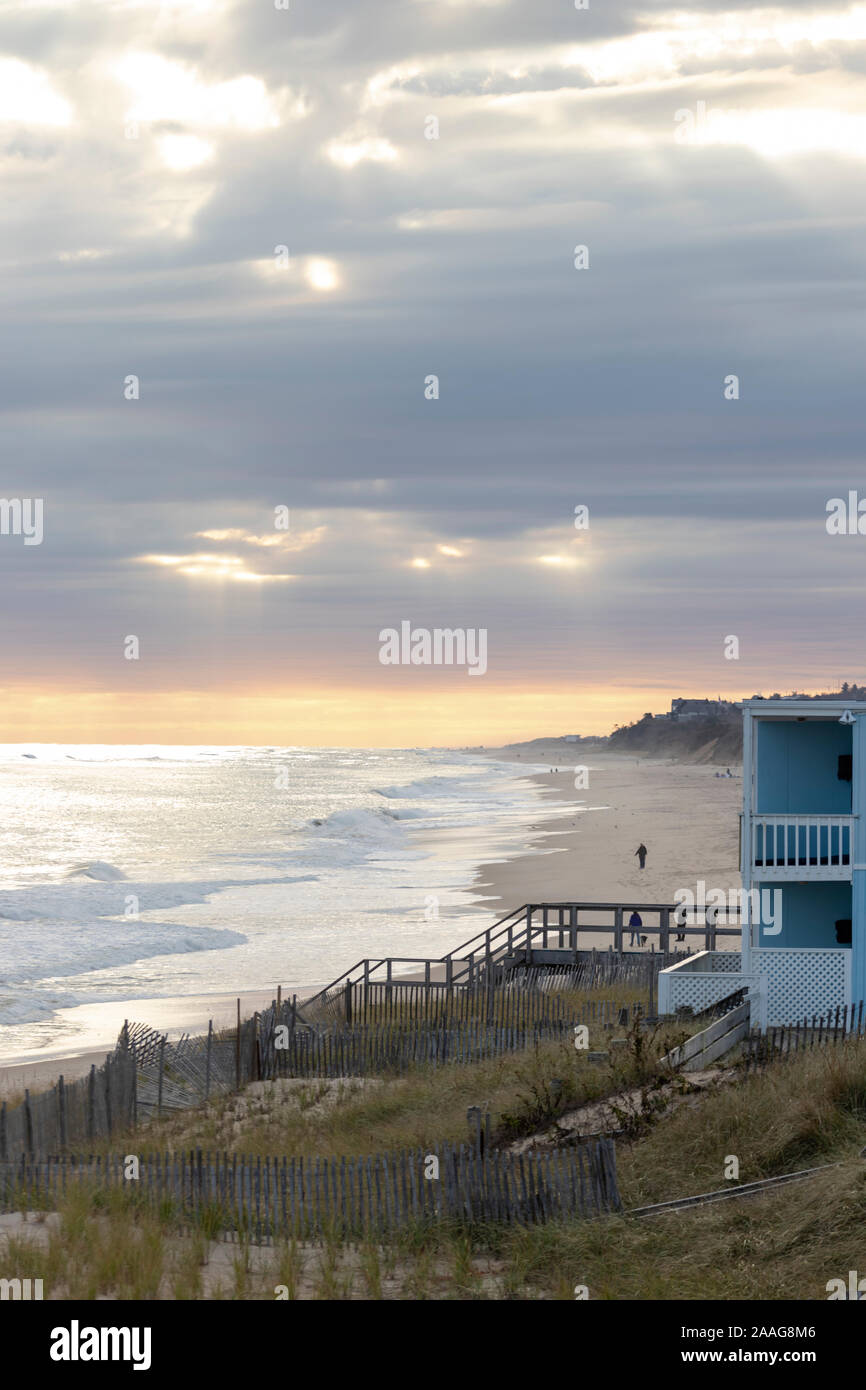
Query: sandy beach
(97, 1027)
(685, 815)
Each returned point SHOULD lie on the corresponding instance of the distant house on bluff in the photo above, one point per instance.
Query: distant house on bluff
(699, 709)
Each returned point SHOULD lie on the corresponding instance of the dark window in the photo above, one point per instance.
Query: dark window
(844, 772)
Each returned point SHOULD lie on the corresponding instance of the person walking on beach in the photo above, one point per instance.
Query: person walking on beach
(635, 923)
(641, 853)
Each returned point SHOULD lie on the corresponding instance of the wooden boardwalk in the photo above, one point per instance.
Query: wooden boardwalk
(545, 935)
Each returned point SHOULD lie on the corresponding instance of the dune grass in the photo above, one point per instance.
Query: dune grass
(786, 1243)
(428, 1106)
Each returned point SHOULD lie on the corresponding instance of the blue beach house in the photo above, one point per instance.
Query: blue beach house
(803, 866)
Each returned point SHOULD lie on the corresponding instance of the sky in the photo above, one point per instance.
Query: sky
(238, 243)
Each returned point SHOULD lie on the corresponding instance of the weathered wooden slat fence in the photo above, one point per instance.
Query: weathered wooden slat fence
(268, 1199)
(177, 1080)
(148, 1075)
(274, 1044)
(838, 1026)
(429, 1003)
(95, 1107)
(595, 969)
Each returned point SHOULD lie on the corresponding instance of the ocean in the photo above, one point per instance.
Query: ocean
(142, 872)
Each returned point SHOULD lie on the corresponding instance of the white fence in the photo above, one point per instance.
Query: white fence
(707, 978)
(786, 984)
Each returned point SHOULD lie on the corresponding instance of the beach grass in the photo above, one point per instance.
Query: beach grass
(786, 1243)
(428, 1105)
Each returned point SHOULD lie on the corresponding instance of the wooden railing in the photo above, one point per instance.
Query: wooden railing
(536, 933)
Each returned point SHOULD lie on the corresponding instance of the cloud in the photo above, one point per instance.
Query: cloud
(183, 152)
(163, 90)
(208, 566)
(153, 253)
(286, 540)
(28, 97)
(348, 151)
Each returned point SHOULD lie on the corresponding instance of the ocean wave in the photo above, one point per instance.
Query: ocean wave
(426, 786)
(32, 1008)
(364, 822)
(98, 871)
(38, 952)
(83, 899)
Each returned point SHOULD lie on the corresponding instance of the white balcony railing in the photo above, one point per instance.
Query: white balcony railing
(803, 847)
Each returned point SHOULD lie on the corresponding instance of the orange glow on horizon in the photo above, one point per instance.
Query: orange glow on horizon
(386, 716)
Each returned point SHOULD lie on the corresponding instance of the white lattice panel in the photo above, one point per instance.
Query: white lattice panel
(801, 983)
(699, 991)
(730, 961)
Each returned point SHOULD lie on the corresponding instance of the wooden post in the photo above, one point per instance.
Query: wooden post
(664, 929)
(572, 927)
(207, 1060)
(61, 1110)
(28, 1124)
(617, 928)
(238, 1050)
(4, 1142)
(91, 1103)
(108, 1116)
(473, 1119)
(161, 1070)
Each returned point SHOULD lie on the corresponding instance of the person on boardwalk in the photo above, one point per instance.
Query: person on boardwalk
(635, 923)
(641, 853)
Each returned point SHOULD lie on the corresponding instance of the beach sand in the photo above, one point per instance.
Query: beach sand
(683, 813)
(98, 1025)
